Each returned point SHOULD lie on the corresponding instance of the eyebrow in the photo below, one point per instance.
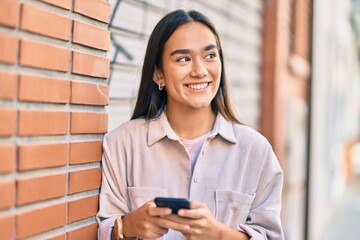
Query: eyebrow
(187, 51)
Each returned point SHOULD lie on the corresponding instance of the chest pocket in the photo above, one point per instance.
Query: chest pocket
(232, 208)
(139, 195)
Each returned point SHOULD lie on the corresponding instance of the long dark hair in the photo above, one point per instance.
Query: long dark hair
(150, 101)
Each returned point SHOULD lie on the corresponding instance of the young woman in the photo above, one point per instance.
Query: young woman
(184, 141)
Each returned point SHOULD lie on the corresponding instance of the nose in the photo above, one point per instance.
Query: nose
(198, 70)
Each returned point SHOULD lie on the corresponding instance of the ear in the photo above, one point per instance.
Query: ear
(158, 77)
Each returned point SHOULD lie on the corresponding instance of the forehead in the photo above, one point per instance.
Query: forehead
(192, 35)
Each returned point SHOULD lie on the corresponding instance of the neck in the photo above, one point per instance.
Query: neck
(191, 123)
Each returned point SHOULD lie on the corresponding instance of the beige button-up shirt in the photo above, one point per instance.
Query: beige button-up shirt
(236, 174)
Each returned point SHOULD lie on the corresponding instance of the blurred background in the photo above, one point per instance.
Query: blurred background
(293, 69)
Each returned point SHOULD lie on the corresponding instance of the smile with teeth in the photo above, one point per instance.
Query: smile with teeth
(198, 86)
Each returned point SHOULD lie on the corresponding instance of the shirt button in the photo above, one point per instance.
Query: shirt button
(196, 179)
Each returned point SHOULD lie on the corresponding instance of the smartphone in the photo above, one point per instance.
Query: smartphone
(174, 203)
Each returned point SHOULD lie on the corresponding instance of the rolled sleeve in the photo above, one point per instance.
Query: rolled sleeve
(264, 217)
(112, 196)
(105, 228)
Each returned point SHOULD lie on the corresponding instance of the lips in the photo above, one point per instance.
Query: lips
(198, 86)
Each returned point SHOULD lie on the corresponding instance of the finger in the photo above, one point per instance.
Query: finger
(198, 210)
(187, 223)
(176, 218)
(196, 205)
(153, 229)
(160, 230)
(169, 224)
(193, 213)
(148, 205)
(156, 211)
(187, 236)
(153, 210)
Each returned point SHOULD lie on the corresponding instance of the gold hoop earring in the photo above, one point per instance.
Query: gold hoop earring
(160, 87)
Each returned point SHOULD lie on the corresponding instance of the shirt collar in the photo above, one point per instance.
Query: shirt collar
(224, 128)
(159, 127)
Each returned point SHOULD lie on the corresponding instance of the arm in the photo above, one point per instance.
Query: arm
(114, 214)
(264, 217)
(113, 194)
(115, 217)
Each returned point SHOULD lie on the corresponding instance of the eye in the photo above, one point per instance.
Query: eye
(211, 56)
(183, 59)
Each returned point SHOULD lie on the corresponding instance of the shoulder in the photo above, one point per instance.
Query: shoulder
(257, 147)
(127, 129)
(247, 135)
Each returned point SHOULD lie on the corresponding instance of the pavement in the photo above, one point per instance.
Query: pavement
(345, 224)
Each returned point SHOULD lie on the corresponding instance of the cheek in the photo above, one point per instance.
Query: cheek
(216, 72)
(217, 77)
(174, 75)
(216, 66)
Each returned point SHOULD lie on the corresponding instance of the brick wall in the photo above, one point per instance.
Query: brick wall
(275, 55)
(285, 87)
(53, 92)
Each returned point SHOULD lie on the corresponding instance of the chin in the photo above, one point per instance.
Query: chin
(202, 105)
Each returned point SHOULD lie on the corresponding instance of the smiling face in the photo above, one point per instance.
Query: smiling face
(191, 67)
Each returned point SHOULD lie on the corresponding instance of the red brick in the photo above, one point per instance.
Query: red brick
(44, 89)
(7, 227)
(35, 156)
(8, 121)
(8, 48)
(60, 3)
(40, 55)
(84, 152)
(88, 232)
(35, 122)
(91, 65)
(58, 237)
(7, 158)
(87, 122)
(8, 85)
(7, 193)
(40, 188)
(89, 93)
(9, 13)
(84, 180)
(40, 220)
(91, 36)
(45, 23)
(83, 208)
(97, 9)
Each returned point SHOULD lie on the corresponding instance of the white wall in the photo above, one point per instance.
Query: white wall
(334, 107)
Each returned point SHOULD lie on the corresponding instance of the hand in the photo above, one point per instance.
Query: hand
(201, 222)
(202, 225)
(148, 222)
